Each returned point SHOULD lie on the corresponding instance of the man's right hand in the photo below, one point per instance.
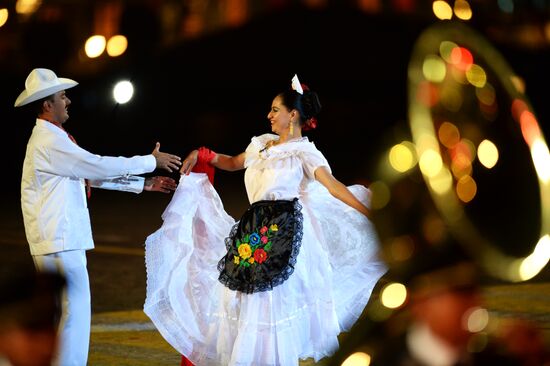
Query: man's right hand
(166, 161)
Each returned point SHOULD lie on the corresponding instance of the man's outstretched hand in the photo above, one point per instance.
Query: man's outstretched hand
(160, 184)
(166, 161)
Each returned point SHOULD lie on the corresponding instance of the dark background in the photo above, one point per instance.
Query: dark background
(215, 89)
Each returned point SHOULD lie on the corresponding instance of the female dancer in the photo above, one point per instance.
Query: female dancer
(280, 284)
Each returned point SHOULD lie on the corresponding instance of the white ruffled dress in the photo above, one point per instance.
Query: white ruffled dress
(337, 267)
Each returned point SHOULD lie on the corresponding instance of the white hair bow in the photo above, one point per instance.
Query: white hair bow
(296, 84)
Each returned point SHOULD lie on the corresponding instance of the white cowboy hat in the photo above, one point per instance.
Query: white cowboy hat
(41, 83)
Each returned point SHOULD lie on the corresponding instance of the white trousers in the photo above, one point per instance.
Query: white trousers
(74, 328)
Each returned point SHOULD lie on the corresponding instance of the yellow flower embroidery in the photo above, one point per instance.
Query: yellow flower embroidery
(245, 251)
(236, 260)
(273, 227)
(251, 260)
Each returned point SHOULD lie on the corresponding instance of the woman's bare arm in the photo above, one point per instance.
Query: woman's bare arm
(339, 190)
(220, 161)
(229, 163)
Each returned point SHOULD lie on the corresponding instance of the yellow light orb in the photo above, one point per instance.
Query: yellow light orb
(442, 10)
(117, 45)
(393, 295)
(3, 16)
(430, 163)
(463, 10)
(95, 45)
(357, 359)
(434, 69)
(476, 76)
(466, 188)
(401, 158)
(380, 194)
(487, 153)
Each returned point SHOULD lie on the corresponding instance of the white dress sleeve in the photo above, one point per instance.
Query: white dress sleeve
(312, 160)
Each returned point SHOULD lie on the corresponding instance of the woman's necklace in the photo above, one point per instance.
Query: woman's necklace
(279, 142)
(266, 146)
(274, 142)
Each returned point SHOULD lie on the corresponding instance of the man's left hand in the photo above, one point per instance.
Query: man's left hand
(160, 184)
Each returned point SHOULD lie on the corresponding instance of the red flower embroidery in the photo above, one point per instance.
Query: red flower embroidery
(260, 255)
(263, 230)
(264, 239)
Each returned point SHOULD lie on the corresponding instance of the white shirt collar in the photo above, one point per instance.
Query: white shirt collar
(50, 126)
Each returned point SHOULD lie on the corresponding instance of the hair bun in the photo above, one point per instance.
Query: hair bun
(311, 104)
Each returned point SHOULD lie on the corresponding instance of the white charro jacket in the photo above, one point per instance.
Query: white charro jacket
(53, 198)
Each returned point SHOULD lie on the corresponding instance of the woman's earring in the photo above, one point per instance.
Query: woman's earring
(291, 128)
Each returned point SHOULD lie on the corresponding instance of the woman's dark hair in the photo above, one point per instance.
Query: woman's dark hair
(307, 104)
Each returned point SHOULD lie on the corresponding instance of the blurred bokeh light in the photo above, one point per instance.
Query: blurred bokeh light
(357, 359)
(94, 46)
(117, 45)
(442, 10)
(393, 295)
(3, 16)
(123, 92)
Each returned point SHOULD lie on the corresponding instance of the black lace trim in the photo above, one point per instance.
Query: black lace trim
(237, 284)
